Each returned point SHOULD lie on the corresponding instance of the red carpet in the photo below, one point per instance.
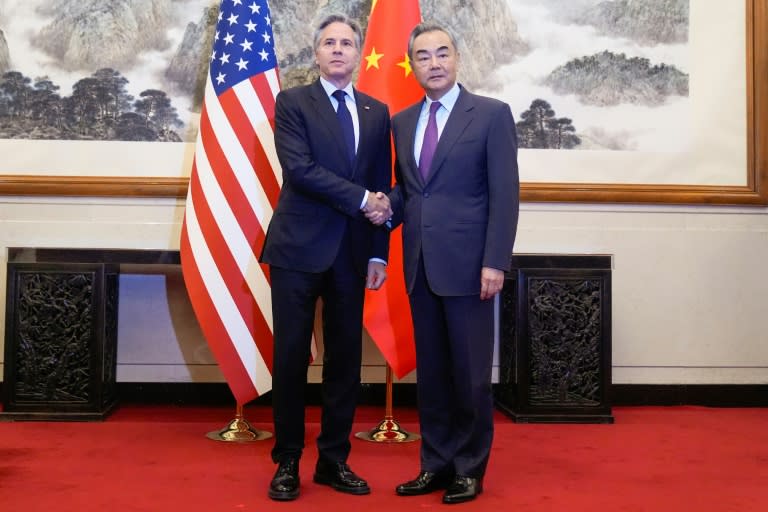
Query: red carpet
(157, 458)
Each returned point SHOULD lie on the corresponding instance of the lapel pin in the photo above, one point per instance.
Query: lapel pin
(367, 107)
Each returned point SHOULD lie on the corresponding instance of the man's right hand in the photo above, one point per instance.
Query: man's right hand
(377, 209)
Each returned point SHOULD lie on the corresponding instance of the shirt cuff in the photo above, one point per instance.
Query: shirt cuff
(377, 260)
(365, 200)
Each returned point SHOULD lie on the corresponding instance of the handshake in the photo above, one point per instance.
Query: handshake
(377, 209)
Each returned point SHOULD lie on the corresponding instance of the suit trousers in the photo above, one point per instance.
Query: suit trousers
(454, 357)
(294, 297)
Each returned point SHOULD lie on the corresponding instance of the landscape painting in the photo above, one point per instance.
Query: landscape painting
(99, 69)
(579, 74)
(600, 75)
(603, 91)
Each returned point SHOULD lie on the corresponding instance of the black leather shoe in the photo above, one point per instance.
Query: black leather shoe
(285, 483)
(463, 488)
(425, 483)
(340, 477)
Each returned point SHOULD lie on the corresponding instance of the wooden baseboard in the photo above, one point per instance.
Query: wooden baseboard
(710, 395)
(404, 395)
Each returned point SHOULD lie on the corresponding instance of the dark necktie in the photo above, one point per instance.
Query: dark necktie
(345, 120)
(430, 142)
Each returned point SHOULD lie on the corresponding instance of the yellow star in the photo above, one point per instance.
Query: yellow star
(406, 65)
(373, 59)
(373, 6)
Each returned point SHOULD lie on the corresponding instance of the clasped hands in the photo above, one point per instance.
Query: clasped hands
(378, 208)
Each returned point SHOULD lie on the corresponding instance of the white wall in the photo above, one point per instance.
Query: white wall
(690, 285)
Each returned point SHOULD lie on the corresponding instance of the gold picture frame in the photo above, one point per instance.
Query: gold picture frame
(754, 192)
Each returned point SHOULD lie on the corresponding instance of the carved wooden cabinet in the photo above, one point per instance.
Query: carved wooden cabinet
(555, 339)
(61, 331)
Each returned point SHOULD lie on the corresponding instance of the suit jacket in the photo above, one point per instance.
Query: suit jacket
(321, 193)
(464, 217)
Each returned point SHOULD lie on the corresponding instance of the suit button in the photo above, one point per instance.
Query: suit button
(426, 194)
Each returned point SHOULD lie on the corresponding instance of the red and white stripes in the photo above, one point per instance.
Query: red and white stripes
(234, 186)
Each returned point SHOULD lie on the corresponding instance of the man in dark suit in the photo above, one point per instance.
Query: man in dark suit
(333, 143)
(457, 195)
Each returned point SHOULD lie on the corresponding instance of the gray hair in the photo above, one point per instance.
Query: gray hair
(339, 18)
(429, 26)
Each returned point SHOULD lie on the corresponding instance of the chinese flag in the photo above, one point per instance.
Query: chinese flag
(385, 74)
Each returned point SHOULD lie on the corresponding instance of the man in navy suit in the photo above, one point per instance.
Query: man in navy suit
(333, 143)
(457, 195)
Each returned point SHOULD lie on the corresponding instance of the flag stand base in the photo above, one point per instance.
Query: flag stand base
(239, 431)
(388, 430)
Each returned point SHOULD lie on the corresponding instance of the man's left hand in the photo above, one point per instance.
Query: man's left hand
(491, 282)
(377, 274)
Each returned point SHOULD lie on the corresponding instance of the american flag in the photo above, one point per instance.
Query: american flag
(233, 189)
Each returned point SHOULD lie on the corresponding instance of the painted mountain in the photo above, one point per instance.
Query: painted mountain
(608, 75)
(93, 34)
(607, 79)
(647, 22)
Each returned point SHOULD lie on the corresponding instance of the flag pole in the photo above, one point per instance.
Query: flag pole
(239, 430)
(385, 73)
(388, 430)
